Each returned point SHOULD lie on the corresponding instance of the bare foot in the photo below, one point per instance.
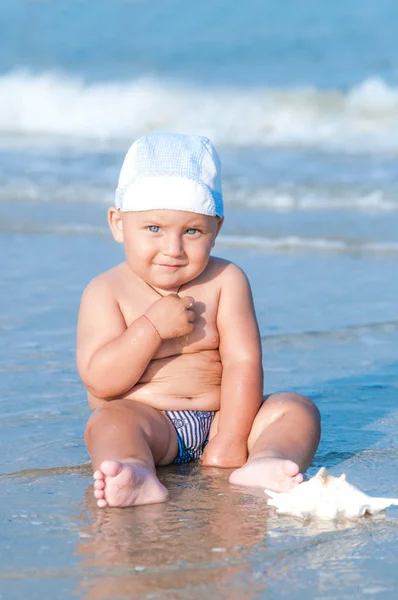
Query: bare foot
(276, 474)
(127, 484)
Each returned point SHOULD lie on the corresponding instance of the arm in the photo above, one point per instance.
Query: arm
(112, 357)
(242, 378)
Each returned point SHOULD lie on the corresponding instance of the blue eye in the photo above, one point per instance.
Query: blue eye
(154, 228)
(191, 231)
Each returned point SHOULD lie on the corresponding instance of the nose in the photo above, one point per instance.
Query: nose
(172, 245)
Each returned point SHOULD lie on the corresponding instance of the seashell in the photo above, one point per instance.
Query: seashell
(327, 497)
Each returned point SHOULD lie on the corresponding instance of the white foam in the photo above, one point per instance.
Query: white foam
(259, 243)
(293, 243)
(283, 243)
(269, 198)
(49, 104)
(315, 199)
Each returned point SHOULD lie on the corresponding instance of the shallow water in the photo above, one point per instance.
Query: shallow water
(208, 539)
(336, 343)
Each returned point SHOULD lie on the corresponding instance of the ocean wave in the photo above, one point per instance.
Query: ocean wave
(260, 243)
(300, 198)
(51, 105)
(315, 199)
(308, 244)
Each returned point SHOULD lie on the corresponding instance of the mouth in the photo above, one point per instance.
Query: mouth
(164, 266)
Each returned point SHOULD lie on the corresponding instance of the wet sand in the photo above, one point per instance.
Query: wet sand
(336, 343)
(208, 540)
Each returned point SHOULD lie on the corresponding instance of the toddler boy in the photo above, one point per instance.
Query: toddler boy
(168, 345)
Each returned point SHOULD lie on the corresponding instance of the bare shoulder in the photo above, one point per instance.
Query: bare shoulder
(100, 318)
(236, 317)
(100, 302)
(227, 273)
(105, 284)
(234, 295)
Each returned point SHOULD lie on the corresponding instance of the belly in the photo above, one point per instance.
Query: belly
(184, 382)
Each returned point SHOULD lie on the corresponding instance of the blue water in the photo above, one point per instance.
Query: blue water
(285, 43)
(302, 101)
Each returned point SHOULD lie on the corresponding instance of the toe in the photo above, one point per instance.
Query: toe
(102, 503)
(99, 484)
(291, 468)
(99, 494)
(98, 475)
(298, 478)
(111, 468)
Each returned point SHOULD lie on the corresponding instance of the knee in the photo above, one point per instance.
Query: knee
(292, 402)
(107, 416)
(97, 417)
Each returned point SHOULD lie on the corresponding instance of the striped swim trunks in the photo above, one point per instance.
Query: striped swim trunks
(192, 429)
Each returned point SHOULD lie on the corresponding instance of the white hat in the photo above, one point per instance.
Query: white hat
(171, 171)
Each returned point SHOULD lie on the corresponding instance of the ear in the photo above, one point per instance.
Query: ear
(115, 223)
(219, 225)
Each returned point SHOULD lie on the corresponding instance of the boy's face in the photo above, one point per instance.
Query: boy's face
(165, 248)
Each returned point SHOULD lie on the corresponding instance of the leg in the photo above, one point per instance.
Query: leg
(126, 440)
(282, 442)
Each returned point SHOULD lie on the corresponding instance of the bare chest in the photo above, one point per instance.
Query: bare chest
(205, 334)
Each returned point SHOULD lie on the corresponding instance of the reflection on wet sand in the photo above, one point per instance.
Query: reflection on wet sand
(203, 538)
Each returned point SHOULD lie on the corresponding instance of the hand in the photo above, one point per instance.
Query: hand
(172, 316)
(224, 452)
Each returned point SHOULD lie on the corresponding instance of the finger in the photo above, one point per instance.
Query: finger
(188, 301)
(191, 316)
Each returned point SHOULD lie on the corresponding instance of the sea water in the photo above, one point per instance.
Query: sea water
(301, 100)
